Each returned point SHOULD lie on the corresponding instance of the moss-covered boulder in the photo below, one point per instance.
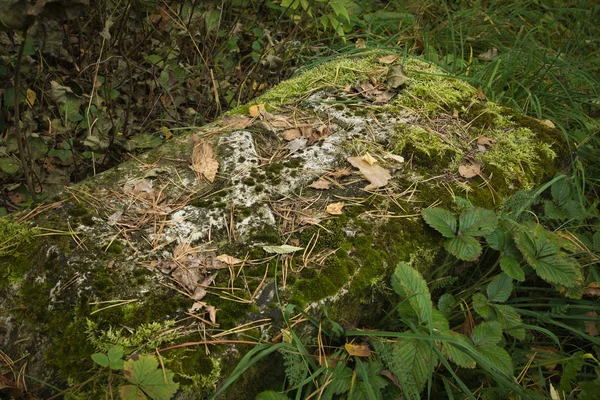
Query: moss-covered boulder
(310, 195)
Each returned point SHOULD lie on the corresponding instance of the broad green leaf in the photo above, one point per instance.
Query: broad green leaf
(487, 333)
(407, 282)
(497, 239)
(499, 357)
(271, 395)
(115, 355)
(482, 306)
(131, 392)
(509, 318)
(477, 222)
(441, 220)
(63, 154)
(500, 288)
(551, 264)
(143, 371)
(464, 248)
(415, 357)
(339, 7)
(559, 269)
(9, 165)
(512, 268)
(283, 249)
(446, 303)
(439, 322)
(455, 354)
(101, 359)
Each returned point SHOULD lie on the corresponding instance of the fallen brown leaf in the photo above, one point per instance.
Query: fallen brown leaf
(235, 122)
(290, 134)
(375, 174)
(469, 171)
(486, 141)
(339, 173)
(256, 110)
(489, 55)
(321, 184)
(369, 159)
(388, 59)
(204, 161)
(229, 260)
(335, 208)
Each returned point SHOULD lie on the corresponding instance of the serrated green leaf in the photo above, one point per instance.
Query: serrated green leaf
(509, 318)
(441, 220)
(440, 323)
(482, 306)
(477, 222)
(570, 370)
(455, 354)
(131, 392)
(487, 333)
(283, 249)
(446, 303)
(407, 282)
(342, 379)
(463, 247)
(551, 264)
(498, 357)
(500, 288)
(271, 395)
(101, 359)
(416, 357)
(143, 371)
(339, 7)
(512, 268)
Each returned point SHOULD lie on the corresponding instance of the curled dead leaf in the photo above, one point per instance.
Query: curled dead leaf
(229, 260)
(335, 208)
(339, 173)
(395, 157)
(358, 350)
(592, 289)
(489, 55)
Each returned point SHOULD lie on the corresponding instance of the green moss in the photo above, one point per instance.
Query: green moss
(426, 148)
(115, 248)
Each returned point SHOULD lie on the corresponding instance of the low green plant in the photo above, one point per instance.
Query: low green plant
(140, 375)
(525, 284)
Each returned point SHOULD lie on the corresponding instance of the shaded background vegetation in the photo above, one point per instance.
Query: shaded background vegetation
(114, 78)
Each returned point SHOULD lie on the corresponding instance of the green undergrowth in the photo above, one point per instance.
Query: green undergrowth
(463, 329)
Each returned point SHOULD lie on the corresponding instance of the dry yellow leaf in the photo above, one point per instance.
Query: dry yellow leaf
(335, 208)
(31, 97)
(592, 289)
(369, 159)
(358, 350)
(204, 161)
(256, 110)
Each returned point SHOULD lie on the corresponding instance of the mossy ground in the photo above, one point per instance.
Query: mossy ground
(441, 122)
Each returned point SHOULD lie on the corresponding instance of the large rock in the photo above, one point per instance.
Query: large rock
(173, 247)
